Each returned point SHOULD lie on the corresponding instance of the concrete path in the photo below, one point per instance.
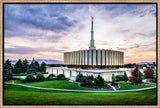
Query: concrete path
(112, 87)
(78, 90)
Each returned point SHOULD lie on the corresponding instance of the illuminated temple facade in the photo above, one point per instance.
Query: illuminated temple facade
(94, 58)
(93, 61)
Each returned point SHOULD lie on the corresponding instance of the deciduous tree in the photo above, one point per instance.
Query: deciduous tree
(134, 74)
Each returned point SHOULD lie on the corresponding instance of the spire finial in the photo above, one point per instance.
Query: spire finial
(92, 33)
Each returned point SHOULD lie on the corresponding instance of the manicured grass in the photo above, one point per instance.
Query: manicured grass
(16, 95)
(61, 84)
(129, 87)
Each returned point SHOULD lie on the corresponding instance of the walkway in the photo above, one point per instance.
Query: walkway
(112, 87)
(77, 90)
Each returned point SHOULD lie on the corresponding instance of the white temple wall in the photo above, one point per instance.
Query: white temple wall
(86, 57)
(99, 57)
(94, 57)
(103, 57)
(90, 57)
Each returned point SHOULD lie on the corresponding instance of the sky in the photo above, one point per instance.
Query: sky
(46, 31)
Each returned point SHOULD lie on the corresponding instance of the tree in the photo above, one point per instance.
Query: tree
(91, 77)
(99, 81)
(113, 78)
(30, 78)
(139, 79)
(125, 77)
(37, 64)
(149, 73)
(8, 62)
(50, 76)
(43, 67)
(25, 65)
(39, 76)
(32, 68)
(134, 74)
(119, 78)
(61, 77)
(18, 67)
(7, 70)
(154, 63)
(79, 77)
(86, 81)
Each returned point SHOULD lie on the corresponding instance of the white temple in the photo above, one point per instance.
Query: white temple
(93, 61)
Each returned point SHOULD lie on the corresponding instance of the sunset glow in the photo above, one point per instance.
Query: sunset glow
(46, 31)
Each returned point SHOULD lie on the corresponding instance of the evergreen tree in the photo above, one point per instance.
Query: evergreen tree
(32, 68)
(99, 81)
(113, 78)
(37, 64)
(25, 65)
(79, 77)
(86, 81)
(125, 77)
(43, 67)
(139, 79)
(18, 67)
(7, 70)
(8, 62)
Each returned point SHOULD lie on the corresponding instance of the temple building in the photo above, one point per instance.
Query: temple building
(94, 58)
(93, 61)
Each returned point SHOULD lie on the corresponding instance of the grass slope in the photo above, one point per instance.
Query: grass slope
(15, 95)
(61, 84)
(129, 87)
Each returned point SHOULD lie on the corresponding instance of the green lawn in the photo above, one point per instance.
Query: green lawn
(61, 84)
(129, 87)
(15, 95)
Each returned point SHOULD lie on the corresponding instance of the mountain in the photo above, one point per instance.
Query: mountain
(141, 63)
(47, 61)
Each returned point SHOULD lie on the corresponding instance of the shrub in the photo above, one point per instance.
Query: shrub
(39, 76)
(149, 73)
(120, 78)
(79, 77)
(91, 77)
(99, 81)
(30, 78)
(139, 79)
(113, 78)
(50, 76)
(86, 81)
(125, 77)
(21, 74)
(44, 72)
(61, 77)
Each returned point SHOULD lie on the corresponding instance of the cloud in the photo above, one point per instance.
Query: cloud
(48, 30)
(21, 17)
(28, 50)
